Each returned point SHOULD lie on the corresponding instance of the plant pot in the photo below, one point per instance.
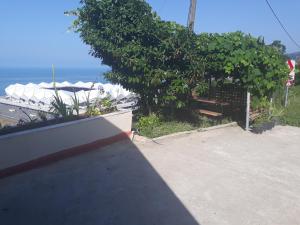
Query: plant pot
(263, 126)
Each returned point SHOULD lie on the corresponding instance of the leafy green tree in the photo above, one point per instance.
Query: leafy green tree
(279, 46)
(163, 61)
(155, 59)
(245, 59)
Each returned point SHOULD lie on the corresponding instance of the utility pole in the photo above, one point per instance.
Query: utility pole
(192, 14)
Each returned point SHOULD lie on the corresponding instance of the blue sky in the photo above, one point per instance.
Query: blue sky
(34, 32)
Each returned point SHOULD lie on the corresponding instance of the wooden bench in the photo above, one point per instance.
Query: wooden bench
(209, 113)
(211, 101)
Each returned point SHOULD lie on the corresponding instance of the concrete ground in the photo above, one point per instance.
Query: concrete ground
(224, 176)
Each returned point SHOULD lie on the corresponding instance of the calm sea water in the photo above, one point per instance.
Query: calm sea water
(37, 75)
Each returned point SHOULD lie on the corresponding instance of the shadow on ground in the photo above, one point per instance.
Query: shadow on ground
(111, 186)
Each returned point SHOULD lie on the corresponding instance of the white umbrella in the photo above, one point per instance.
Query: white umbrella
(10, 90)
(48, 96)
(94, 95)
(30, 85)
(79, 84)
(18, 92)
(108, 89)
(45, 85)
(57, 84)
(39, 94)
(66, 84)
(28, 93)
(66, 97)
(98, 86)
(89, 85)
(122, 93)
(81, 96)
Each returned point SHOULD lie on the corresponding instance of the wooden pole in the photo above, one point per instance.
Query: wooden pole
(248, 111)
(192, 14)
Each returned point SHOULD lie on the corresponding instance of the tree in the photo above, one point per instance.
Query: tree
(247, 60)
(279, 46)
(163, 61)
(153, 58)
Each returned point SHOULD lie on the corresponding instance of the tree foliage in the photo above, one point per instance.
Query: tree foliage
(153, 58)
(245, 59)
(279, 46)
(163, 61)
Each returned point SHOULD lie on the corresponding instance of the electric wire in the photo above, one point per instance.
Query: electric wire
(282, 25)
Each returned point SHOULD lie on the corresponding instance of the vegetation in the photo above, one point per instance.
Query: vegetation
(201, 89)
(291, 115)
(59, 108)
(166, 64)
(163, 61)
(62, 113)
(246, 60)
(276, 112)
(279, 46)
(151, 57)
(295, 55)
(100, 107)
(152, 126)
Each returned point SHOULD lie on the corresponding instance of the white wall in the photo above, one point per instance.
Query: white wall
(28, 145)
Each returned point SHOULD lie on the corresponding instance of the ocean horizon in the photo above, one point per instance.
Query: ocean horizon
(27, 75)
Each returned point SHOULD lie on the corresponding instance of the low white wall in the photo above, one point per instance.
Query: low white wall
(21, 147)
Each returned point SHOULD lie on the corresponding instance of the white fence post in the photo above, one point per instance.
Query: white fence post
(248, 111)
(286, 99)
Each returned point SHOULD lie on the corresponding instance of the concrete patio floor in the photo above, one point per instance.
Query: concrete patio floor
(224, 176)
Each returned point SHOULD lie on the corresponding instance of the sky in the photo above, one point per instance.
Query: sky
(34, 33)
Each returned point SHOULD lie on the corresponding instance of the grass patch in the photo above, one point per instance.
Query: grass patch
(291, 115)
(165, 127)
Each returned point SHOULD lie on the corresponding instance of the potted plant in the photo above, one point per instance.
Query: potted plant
(263, 123)
(267, 118)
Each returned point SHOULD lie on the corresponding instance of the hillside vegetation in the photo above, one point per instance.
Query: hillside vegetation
(295, 55)
(291, 114)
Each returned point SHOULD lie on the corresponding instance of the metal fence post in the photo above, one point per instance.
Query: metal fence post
(286, 96)
(248, 111)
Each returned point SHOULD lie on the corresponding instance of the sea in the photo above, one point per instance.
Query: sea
(37, 75)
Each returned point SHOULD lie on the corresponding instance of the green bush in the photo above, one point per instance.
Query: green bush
(59, 108)
(297, 78)
(202, 89)
(260, 104)
(247, 60)
(155, 127)
(148, 122)
(93, 111)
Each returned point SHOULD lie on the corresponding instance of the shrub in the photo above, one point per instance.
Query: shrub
(297, 78)
(248, 61)
(59, 108)
(202, 89)
(260, 104)
(93, 111)
(148, 122)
